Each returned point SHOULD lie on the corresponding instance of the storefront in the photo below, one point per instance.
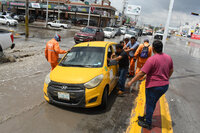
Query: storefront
(104, 16)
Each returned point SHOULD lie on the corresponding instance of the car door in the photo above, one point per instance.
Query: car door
(112, 69)
(1, 19)
(101, 35)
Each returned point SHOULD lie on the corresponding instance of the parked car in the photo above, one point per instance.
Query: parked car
(89, 33)
(109, 32)
(85, 22)
(59, 24)
(8, 20)
(6, 40)
(130, 33)
(21, 18)
(84, 77)
(123, 30)
(158, 35)
(118, 32)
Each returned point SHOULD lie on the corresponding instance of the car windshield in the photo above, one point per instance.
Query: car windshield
(131, 32)
(9, 17)
(89, 30)
(108, 29)
(84, 57)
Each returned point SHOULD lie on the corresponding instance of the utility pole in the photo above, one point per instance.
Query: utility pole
(58, 9)
(26, 18)
(89, 16)
(167, 23)
(47, 10)
(122, 17)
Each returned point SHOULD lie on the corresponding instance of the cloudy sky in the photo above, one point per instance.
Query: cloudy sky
(155, 11)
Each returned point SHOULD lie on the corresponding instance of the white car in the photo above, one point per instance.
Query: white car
(58, 24)
(6, 40)
(130, 33)
(8, 20)
(123, 30)
(109, 32)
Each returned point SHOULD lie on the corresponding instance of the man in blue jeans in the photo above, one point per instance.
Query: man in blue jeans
(158, 69)
(123, 60)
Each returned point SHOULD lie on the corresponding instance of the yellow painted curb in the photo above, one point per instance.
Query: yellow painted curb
(165, 116)
(138, 111)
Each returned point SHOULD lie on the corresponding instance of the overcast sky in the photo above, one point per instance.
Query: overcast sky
(155, 11)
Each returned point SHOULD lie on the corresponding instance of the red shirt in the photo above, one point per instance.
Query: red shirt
(157, 69)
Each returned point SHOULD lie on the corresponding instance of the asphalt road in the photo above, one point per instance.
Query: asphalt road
(23, 108)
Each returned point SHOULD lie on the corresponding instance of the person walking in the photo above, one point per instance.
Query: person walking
(158, 69)
(143, 52)
(131, 47)
(53, 50)
(123, 60)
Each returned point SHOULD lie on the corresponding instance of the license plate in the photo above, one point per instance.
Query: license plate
(63, 95)
(80, 39)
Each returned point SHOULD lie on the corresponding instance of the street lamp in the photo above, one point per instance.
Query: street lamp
(47, 12)
(167, 23)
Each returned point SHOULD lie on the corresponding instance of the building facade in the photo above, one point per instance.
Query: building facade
(102, 13)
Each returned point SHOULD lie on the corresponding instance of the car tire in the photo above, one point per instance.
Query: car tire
(8, 24)
(62, 26)
(104, 101)
(1, 51)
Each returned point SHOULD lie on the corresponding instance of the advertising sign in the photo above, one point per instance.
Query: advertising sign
(35, 5)
(133, 10)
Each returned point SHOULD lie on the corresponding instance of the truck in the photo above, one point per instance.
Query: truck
(6, 40)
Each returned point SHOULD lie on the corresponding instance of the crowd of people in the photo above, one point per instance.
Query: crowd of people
(157, 69)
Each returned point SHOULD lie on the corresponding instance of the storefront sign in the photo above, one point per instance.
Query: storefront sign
(17, 4)
(61, 7)
(35, 5)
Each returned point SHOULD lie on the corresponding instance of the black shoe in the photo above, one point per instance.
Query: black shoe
(144, 125)
(142, 118)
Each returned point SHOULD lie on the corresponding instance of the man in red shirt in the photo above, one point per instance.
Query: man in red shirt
(158, 69)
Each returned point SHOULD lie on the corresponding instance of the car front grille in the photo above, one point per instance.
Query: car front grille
(76, 92)
(82, 37)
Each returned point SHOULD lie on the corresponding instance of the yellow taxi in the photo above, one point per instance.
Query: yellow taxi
(84, 77)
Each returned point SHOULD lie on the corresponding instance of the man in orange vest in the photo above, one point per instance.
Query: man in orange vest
(53, 50)
(143, 52)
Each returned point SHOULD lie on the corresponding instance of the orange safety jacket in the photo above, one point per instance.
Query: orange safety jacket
(141, 61)
(52, 51)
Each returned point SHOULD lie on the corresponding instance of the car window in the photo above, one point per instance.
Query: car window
(89, 30)
(84, 57)
(110, 51)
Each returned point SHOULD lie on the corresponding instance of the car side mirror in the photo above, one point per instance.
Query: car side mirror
(112, 63)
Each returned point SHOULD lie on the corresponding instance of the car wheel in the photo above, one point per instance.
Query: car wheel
(8, 24)
(1, 51)
(104, 101)
(62, 26)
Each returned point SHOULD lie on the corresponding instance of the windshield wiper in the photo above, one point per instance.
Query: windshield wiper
(76, 65)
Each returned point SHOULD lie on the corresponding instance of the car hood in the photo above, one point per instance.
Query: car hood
(74, 75)
(108, 32)
(84, 34)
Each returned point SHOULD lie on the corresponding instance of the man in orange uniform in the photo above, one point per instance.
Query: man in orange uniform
(53, 50)
(131, 47)
(142, 56)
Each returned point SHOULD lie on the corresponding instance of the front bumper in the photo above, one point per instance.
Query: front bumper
(79, 40)
(79, 97)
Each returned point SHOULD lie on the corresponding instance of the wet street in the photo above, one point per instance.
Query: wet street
(23, 108)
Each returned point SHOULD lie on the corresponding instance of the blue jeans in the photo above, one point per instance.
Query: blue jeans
(152, 96)
(122, 78)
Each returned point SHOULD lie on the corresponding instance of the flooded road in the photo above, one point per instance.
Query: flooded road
(23, 108)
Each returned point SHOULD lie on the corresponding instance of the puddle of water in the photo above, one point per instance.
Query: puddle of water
(193, 49)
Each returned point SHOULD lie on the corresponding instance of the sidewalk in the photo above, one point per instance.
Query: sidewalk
(162, 122)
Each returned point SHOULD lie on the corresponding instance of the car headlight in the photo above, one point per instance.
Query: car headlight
(94, 82)
(47, 79)
(90, 36)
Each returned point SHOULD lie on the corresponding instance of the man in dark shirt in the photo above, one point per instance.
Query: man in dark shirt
(123, 60)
